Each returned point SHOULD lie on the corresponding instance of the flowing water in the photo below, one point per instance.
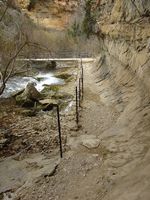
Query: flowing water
(17, 83)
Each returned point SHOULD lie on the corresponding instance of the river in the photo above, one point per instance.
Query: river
(17, 83)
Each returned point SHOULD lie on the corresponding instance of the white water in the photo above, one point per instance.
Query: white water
(17, 83)
(47, 79)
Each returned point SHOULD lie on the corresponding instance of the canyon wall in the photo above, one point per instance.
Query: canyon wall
(10, 28)
(123, 77)
(49, 14)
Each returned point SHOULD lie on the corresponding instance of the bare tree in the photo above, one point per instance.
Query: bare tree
(4, 3)
(22, 42)
(9, 68)
(8, 4)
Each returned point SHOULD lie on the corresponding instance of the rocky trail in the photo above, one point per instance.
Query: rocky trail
(106, 157)
(99, 160)
(44, 175)
(79, 174)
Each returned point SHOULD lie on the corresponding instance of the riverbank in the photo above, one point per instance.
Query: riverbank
(82, 164)
(34, 139)
(37, 133)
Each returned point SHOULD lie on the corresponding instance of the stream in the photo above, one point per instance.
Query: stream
(43, 78)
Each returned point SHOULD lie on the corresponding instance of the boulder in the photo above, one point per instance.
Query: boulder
(31, 92)
(51, 66)
(64, 76)
(91, 143)
(29, 96)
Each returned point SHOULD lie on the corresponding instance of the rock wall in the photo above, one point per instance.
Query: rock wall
(123, 76)
(63, 5)
(124, 62)
(50, 14)
(10, 27)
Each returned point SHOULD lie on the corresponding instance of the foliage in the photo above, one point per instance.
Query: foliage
(89, 19)
(86, 26)
(63, 76)
(48, 88)
(75, 30)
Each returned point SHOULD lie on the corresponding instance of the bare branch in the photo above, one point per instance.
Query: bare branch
(40, 47)
(3, 15)
(5, 76)
(136, 8)
(10, 66)
(12, 59)
(20, 72)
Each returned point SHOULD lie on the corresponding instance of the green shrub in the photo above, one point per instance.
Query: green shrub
(75, 30)
(86, 26)
(89, 19)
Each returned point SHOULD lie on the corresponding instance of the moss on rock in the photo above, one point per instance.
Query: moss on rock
(63, 76)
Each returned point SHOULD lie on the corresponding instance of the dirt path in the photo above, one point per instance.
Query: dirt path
(80, 173)
(95, 116)
(103, 117)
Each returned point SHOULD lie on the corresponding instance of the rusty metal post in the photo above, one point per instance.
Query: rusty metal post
(79, 92)
(59, 131)
(77, 111)
(82, 76)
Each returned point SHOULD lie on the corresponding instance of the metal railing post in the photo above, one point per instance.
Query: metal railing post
(59, 131)
(79, 92)
(77, 112)
(82, 78)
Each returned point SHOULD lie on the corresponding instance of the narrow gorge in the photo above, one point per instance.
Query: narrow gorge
(102, 44)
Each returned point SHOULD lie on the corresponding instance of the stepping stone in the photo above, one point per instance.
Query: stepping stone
(91, 143)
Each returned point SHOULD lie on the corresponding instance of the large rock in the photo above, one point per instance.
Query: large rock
(31, 92)
(51, 65)
(91, 143)
(29, 96)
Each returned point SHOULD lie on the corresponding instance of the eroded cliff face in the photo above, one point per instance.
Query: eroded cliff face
(10, 28)
(123, 76)
(124, 62)
(50, 14)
